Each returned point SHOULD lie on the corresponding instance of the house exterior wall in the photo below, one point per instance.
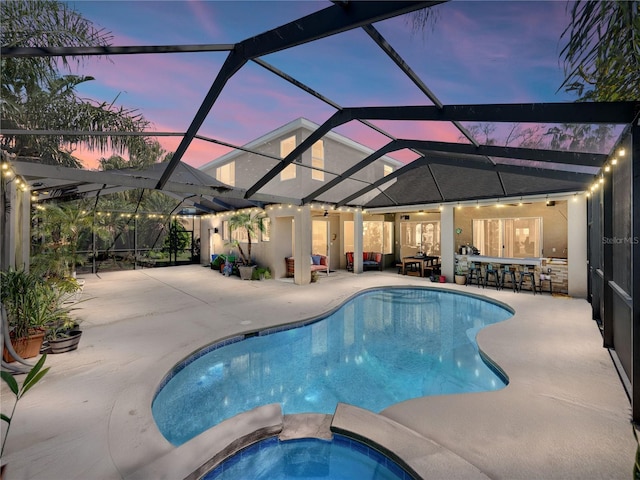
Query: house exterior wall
(339, 153)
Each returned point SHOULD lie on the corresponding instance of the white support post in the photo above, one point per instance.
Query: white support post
(577, 271)
(302, 252)
(447, 242)
(357, 241)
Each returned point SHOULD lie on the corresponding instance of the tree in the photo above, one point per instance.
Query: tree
(59, 229)
(36, 96)
(251, 223)
(602, 54)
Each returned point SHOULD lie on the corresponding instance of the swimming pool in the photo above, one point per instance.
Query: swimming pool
(381, 347)
(309, 458)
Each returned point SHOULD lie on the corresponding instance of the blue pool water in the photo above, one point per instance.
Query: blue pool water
(381, 347)
(308, 459)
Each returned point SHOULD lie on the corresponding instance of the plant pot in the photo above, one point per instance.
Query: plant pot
(27, 347)
(246, 272)
(461, 279)
(67, 344)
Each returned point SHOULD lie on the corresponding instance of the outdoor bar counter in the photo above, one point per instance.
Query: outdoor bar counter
(555, 267)
(533, 261)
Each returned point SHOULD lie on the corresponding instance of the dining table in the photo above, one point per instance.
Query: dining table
(423, 262)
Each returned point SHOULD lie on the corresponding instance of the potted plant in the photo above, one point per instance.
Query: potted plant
(250, 223)
(32, 305)
(20, 294)
(261, 273)
(460, 277)
(63, 336)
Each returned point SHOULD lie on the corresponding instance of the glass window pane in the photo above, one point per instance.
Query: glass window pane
(372, 236)
(387, 243)
(317, 160)
(319, 237)
(227, 174)
(508, 237)
(430, 238)
(286, 147)
(266, 233)
(348, 236)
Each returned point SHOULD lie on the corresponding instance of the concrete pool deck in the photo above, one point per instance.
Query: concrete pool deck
(563, 415)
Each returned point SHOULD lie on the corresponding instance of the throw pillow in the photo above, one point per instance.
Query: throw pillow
(315, 259)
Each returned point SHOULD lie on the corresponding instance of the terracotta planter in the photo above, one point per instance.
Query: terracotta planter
(25, 347)
(67, 344)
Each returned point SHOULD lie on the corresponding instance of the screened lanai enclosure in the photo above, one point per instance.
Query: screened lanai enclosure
(481, 140)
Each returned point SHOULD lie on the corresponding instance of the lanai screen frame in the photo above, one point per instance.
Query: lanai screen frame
(344, 16)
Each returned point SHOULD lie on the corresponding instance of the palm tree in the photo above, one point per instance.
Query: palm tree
(602, 53)
(36, 96)
(59, 229)
(251, 223)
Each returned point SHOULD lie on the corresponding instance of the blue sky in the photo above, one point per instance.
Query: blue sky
(475, 52)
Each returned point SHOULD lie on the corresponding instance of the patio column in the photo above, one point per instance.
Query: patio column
(302, 248)
(357, 241)
(16, 228)
(447, 241)
(577, 246)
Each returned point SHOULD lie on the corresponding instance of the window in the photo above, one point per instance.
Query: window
(286, 147)
(317, 161)
(266, 233)
(388, 169)
(377, 236)
(508, 237)
(420, 237)
(227, 173)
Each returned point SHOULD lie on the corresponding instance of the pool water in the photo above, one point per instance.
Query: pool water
(308, 459)
(381, 347)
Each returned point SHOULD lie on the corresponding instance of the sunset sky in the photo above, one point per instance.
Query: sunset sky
(474, 52)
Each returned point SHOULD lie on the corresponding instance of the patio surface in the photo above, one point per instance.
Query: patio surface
(563, 415)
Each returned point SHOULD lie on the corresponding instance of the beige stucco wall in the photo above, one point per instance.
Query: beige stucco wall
(554, 223)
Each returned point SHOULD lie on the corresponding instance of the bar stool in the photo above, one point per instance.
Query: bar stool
(492, 275)
(526, 273)
(509, 274)
(475, 271)
(546, 277)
